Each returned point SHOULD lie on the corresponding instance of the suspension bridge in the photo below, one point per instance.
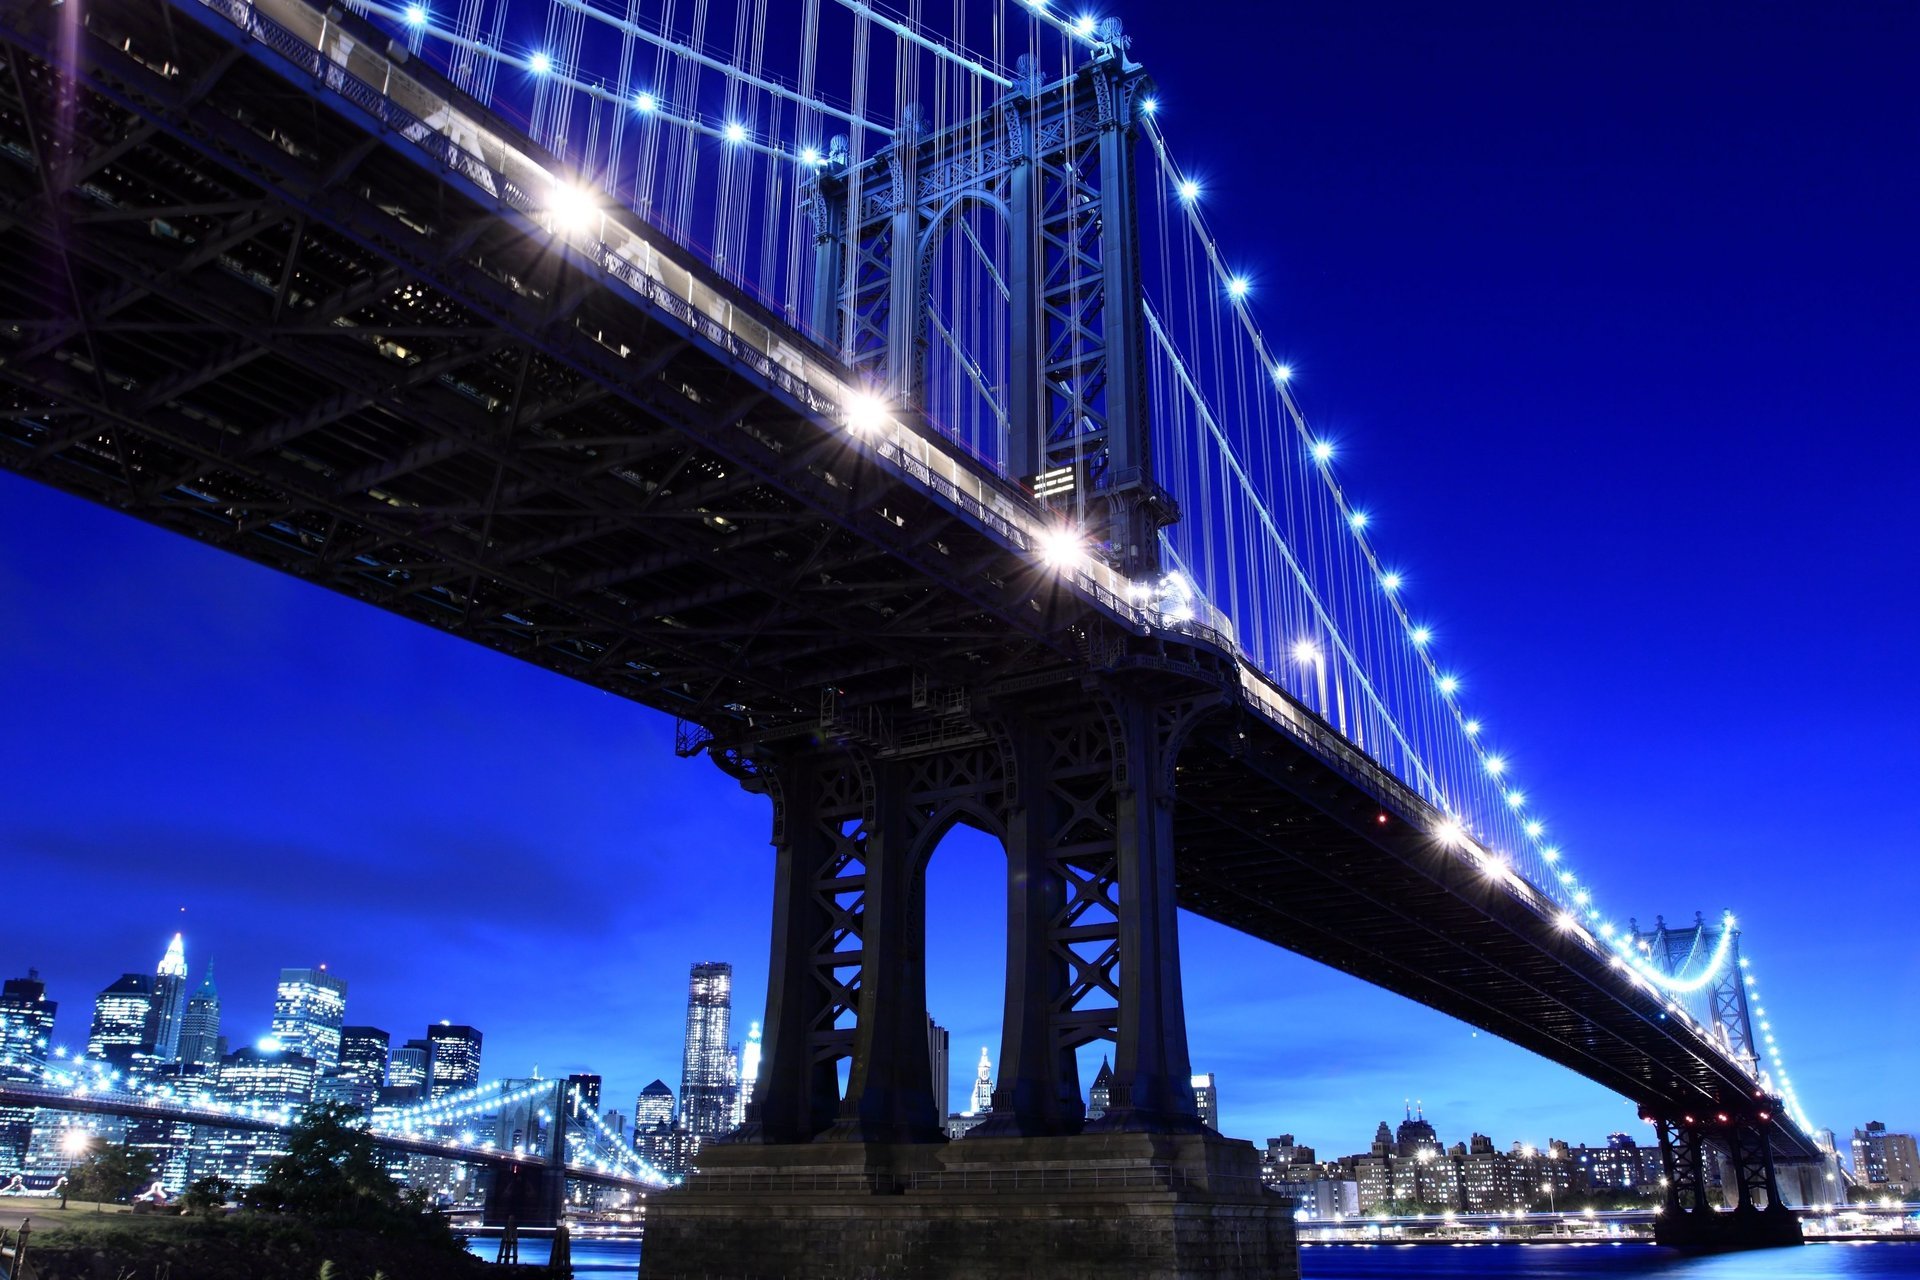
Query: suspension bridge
(867, 391)
(531, 1138)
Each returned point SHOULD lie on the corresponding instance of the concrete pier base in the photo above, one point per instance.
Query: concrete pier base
(1711, 1231)
(1118, 1206)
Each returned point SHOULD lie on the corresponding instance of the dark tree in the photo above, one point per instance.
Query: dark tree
(112, 1175)
(331, 1176)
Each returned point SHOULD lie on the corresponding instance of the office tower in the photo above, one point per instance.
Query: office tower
(1206, 1098)
(271, 1082)
(199, 1045)
(1100, 1097)
(309, 1007)
(982, 1100)
(749, 1073)
(706, 1099)
(363, 1055)
(453, 1059)
(26, 1027)
(654, 1108)
(407, 1065)
(122, 1019)
(582, 1093)
(169, 1000)
(936, 1059)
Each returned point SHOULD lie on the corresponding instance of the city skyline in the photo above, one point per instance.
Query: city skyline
(1631, 537)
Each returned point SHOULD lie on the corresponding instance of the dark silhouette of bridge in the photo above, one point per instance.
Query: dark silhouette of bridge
(281, 287)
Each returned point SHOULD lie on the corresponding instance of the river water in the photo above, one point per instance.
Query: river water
(1866, 1261)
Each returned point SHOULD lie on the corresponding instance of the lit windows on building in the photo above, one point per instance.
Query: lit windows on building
(1206, 1099)
(707, 1066)
(169, 1001)
(122, 1019)
(453, 1061)
(200, 1042)
(26, 1027)
(363, 1055)
(309, 1007)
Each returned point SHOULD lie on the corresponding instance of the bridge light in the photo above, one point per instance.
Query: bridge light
(1358, 520)
(416, 15)
(1149, 105)
(1536, 829)
(1084, 26)
(571, 208)
(1237, 287)
(1583, 897)
(1306, 651)
(1322, 451)
(540, 64)
(1473, 728)
(1551, 855)
(1515, 799)
(865, 413)
(1449, 684)
(1391, 581)
(1283, 373)
(1565, 920)
(1189, 190)
(810, 155)
(1451, 833)
(1063, 548)
(1496, 765)
(736, 132)
(645, 102)
(1422, 634)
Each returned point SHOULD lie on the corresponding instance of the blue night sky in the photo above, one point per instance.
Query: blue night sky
(1612, 310)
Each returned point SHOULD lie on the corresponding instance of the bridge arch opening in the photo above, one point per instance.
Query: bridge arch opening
(963, 889)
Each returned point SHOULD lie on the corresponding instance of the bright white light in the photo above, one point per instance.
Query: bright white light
(1566, 920)
(539, 64)
(810, 156)
(1496, 765)
(1063, 548)
(1422, 634)
(1085, 25)
(1535, 829)
(1358, 519)
(865, 413)
(416, 15)
(1583, 897)
(1566, 877)
(736, 132)
(1515, 799)
(1283, 373)
(645, 102)
(1322, 451)
(1237, 286)
(1473, 728)
(1306, 651)
(1149, 105)
(1449, 684)
(1189, 190)
(1452, 833)
(571, 208)
(1391, 581)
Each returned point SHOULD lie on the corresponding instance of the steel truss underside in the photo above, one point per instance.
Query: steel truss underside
(232, 306)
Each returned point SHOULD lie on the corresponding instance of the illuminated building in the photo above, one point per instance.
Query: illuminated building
(200, 1042)
(582, 1093)
(309, 1007)
(407, 1070)
(936, 1059)
(1100, 1096)
(453, 1059)
(122, 1019)
(981, 1101)
(1885, 1162)
(261, 1080)
(169, 1000)
(1206, 1098)
(706, 1098)
(654, 1107)
(26, 1031)
(749, 1074)
(26, 1026)
(363, 1054)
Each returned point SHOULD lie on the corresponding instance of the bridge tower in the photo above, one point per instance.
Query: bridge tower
(1072, 773)
(1739, 1137)
(532, 1193)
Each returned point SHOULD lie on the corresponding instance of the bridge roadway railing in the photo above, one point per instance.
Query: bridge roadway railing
(498, 165)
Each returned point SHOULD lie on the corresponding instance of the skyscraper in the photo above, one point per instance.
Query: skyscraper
(1100, 1096)
(937, 1060)
(453, 1060)
(654, 1108)
(982, 1100)
(169, 1000)
(1206, 1099)
(26, 1027)
(122, 1019)
(200, 1026)
(309, 1007)
(363, 1055)
(706, 1098)
(407, 1065)
(749, 1073)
